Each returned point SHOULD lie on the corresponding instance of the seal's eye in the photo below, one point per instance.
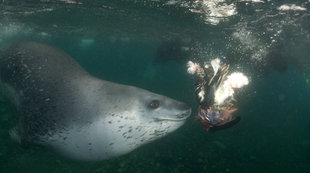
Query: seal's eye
(154, 104)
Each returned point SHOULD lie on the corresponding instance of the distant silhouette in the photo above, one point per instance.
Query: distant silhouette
(173, 50)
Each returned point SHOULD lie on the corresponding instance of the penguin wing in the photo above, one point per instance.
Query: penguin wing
(219, 76)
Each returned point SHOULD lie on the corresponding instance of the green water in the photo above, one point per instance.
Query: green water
(119, 41)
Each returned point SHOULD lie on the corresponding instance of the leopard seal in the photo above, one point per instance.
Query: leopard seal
(80, 116)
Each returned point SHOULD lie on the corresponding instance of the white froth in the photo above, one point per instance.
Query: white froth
(234, 80)
(291, 7)
(250, 43)
(218, 10)
(71, 2)
(192, 67)
(254, 1)
(237, 80)
(172, 2)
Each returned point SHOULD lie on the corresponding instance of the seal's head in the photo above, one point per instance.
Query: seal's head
(127, 120)
(147, 117)
(164, 114)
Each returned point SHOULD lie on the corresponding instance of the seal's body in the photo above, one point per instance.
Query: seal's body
(82, 117)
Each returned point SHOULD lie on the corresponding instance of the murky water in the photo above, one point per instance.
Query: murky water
(147, 44)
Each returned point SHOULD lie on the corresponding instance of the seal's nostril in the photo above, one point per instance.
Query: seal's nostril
(187, 112)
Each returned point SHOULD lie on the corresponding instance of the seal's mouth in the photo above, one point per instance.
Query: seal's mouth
(179, 117)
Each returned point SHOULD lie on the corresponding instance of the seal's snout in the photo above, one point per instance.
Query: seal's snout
(185, 109)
